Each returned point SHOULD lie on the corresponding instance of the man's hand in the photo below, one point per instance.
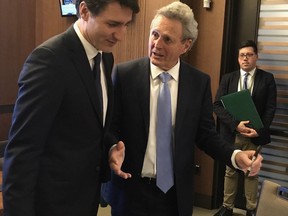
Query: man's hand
(116, 158)
(244, 161)
(246, 131)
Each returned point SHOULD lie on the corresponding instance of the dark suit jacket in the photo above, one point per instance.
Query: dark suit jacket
(55, 150)
(194, 123)
(264, 96)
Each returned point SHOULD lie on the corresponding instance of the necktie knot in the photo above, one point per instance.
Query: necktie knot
(97, 59)
(165, 77)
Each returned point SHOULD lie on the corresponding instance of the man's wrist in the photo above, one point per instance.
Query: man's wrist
(233, 159)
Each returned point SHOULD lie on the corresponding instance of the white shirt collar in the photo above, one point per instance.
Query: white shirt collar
(174, 71)
(90, 50)
(252, 72)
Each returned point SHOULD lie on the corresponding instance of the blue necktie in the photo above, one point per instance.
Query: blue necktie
(245, 86)
(97, 78)
(164, 152)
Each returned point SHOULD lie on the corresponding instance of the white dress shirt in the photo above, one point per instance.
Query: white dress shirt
(149, 166)
(250, 80)
(91, 52)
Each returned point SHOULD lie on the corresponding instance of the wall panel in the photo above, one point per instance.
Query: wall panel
(273, 57)
(17, 38)
(49, 21)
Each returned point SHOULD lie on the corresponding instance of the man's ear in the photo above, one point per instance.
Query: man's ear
(83, 11)
(187, 45)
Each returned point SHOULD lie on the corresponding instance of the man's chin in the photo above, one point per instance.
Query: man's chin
(108, 50)
(154, 61)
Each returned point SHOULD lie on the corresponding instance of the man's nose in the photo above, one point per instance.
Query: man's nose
(120, 33)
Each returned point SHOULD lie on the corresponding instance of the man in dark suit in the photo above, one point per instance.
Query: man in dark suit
(54, 159)
(137, 85)
(262, 87)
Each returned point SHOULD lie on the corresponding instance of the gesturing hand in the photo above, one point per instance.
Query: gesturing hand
(116, 158)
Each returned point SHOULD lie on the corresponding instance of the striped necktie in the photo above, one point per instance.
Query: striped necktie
(245, 85)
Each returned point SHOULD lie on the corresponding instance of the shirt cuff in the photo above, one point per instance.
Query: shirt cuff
(113, 146)
(233, 159)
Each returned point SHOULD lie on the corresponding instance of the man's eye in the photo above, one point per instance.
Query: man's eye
(155, 34)
(167, 40)
(113, 24)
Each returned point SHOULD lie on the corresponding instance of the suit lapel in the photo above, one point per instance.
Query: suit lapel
(186, 91)
(234, 82)
(143, 90)
(257, 81)
(83, 68)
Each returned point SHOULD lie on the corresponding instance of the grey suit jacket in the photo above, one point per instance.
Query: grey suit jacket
(194, 123)
(55, 152)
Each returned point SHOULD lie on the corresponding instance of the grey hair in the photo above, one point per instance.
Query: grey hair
(183, 13)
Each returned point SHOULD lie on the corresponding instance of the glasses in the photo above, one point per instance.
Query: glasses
(247, 55)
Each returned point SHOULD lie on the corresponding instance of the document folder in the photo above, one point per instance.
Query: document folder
(241, 106)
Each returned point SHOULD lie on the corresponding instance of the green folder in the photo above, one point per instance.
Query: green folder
(241, 106)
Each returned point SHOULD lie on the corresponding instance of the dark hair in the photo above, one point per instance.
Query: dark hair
(249, 43)
(97, 6)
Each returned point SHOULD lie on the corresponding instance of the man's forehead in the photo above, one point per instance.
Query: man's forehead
(245, 49)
